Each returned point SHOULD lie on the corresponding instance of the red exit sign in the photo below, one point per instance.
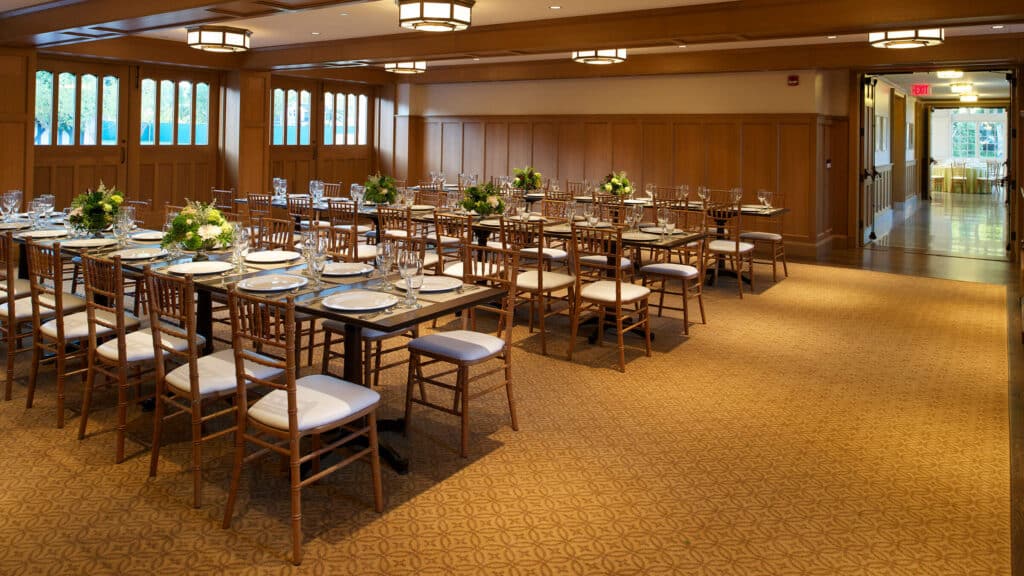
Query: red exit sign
(921, 89)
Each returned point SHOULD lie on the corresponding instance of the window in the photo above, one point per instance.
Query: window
(965, 140)
(345, 119)
(990, 144)
(76, 110)
(174, 113)
(291, 117)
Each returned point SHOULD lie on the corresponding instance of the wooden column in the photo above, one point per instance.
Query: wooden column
(245, 145)
(17, 119)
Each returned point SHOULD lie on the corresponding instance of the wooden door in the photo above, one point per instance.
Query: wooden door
(344, 152)
(866, 205)
(81, 127)
(173, 137)
(293, 137)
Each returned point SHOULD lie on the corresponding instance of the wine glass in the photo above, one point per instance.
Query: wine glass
(413, 272)
(684, 193)
(67, 222)
(124, 222)
(318, 258)
(174, 248)
(768, 199)
(663, 217)
(13, 201)
(736, 194)
(703, 193)
(588, 214)
(649, 191)
(240, 244)
(384, 259)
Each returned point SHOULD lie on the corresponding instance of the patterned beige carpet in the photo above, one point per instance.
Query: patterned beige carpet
(839, 422)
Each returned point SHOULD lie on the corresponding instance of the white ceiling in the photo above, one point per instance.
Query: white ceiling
(380, 18)
(987, 85)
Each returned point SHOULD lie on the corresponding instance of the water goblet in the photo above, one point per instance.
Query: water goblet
(413, 266)
(384, 258)
(34, 210)
(736, 194)
(67, 222)
(768, 199)
(662, 217)
(703, 193)
(12, 201)
(318, 259)
(684, 193)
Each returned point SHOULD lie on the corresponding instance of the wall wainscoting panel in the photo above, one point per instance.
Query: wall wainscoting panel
(777, 152)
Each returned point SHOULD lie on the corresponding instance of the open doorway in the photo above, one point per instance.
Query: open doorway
(948, 161)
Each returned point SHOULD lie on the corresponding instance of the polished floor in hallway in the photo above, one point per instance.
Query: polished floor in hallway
(960, 225)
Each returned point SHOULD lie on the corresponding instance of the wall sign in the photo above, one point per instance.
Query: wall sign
(920, 89)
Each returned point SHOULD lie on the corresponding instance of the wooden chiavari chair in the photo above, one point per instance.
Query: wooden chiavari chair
(258, 207)
(574, 188)
(346, 232)
(223, 198)
(59, 325)
(333, 190)
(465, 349)
(453, 232)
(659, 274)
(185, 381)
(342, 214)
(295, 408)
(560, 196)
(393, 222)
(725, 242)
(958, 177)
(275, 234)
(15, 308)
(771, 239)
(537, 281)
(300, 207)
(116, 349)
(429, 197)
(602, 288)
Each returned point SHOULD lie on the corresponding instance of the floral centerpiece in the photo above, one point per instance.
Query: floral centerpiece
(199, 227)
(485, 200)
(96, 209)
(618, 184)
(526, 179)
(380, 189)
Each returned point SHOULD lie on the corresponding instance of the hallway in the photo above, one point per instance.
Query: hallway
(959, 225)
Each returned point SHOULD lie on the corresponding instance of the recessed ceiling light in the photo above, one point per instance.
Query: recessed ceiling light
(950, 74)
(476, 59)
(315, 33)
(831, 37)
(555, 7)
(998, 27)
(969, 98)
(344, 13)
(682, 45)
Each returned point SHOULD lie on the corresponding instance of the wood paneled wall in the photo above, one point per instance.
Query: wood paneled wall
(783, 153)
(883, 189)
(17, 108)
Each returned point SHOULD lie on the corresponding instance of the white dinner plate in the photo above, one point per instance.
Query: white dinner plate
(139, 253)
(657, 230)
(598, 225)
(639, 236)
(490, 222)
(14, 225)
(89, 243)
(51, 233)
(435, 284)
(201, 267)
(360, 301)
(150, 236)
(347, 269)
(418, 207)
(635, 201)
(272, 256)
(272, 283)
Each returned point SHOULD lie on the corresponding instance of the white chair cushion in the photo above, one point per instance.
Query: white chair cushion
(729, 246)
(604, 291)
(139, 345)
(598, 259)
(23, 306)
(396, 233)
(447, 240)
(554, 254)
(338, 327)
(552, 280)
(22, 288)
(670, 269)
(366, 251)
(767, 236)
(360, 229)
(430, 259)
(217, 373)
(317, 223)
(319, 399)
(462, 345)
(479, 269)
(76, 326)
(495, 244)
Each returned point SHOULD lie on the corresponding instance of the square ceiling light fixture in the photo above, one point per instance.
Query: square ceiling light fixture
(219, 38)
(907, 38)
(435, 15)
(406, 67)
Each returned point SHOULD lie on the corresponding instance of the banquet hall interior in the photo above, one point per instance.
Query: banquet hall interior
(512, 287)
